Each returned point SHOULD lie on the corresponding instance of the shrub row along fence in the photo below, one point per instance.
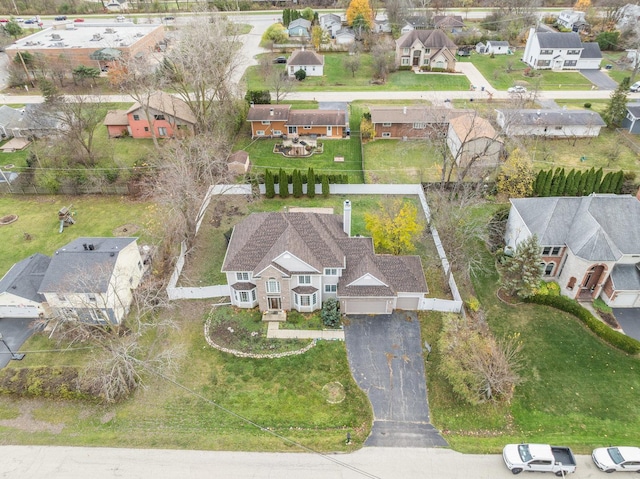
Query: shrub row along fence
(427, 304)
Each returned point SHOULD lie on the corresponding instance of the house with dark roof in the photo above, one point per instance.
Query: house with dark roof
(330, 23)
(281, 120)
(307, 60)
(550, 123)
(496, 47)
(28, 121)
(573, 20)
(560, 51)
(589, 245)
(93, 279)
(416, 22)
(448, 23)
(406, 122)
(295, 261)
(426, 49)
(19, 296)
(631, 121)
(165, 114)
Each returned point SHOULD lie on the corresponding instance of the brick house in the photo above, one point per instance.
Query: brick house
(281, 120)
(430, 49)
(295, 261)
(589, 245)
(409, 121)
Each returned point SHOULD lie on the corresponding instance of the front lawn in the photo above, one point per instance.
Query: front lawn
(397, 161)
(94, 215)
(495, 72)
(337, 78)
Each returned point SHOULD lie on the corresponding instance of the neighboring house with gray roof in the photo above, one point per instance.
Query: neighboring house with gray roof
(589, 245)
(307, 60)
(296, 261)
(416, 22)
(93, 279)
(331, 23)
(497, 47)
(300, 28)
(19, 297)
(560, 51)
(573, 20)
(28, 121)
(426, 49)
(550, 123)
(449, 23)
(631, 122)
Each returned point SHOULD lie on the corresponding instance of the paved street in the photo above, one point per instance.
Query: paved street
(40, 462)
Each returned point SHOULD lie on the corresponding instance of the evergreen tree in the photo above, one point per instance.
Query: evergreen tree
(568, 186)
(311, 183)
(616, 110)
(269, 187)
(598, 182)
(554, 183)
(325, 186)
(297, 184)
(283, 184)
(546, 189)
(581, 185)
(575, 183)
(522, 272)
(286, 17)
(590, 182)
(539, 182)
(605, 187)
(561, 183)
(617, 184)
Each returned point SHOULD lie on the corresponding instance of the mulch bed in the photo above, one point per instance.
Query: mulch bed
(8, 219)
(610, 319)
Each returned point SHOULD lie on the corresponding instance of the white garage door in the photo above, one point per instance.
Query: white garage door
(18, 312)
(409, 304)
(365, 306)
(625, 300)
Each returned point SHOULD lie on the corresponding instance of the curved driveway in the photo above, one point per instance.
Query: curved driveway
(385, 357)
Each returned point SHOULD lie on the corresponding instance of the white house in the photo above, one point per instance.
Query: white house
(117, 5)
(589, 245)
(417, 22)
(496, 47)
(560, 51)
(473, 142)
(93, 279)
(381, 24)
(345, 36)
(556, 123)
(296, 260)
(573, 20)
(307, 60)
(331, 23)
(19, 297)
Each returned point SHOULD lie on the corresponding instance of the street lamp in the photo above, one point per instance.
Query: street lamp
(17, 357)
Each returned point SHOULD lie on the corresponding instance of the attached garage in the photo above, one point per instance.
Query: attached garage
(408, 303)
(19, 297)
(19, 311)
(626, 300)
(366, 305)
(624, 282)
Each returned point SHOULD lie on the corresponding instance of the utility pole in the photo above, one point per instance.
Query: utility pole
(26, 71)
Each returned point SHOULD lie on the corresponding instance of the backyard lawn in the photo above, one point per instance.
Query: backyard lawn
(495, 72)
(337, 78)
(397, 161)
(94, 215)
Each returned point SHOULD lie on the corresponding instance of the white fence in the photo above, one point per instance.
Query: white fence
(426, 304)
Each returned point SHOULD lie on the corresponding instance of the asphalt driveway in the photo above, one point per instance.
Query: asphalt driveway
(385, 357)
(599, 79)
(629, 319)
(14, 332)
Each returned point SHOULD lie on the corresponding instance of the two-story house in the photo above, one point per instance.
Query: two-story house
(573, 20)
(295, 261)
(330, 23)
(589, 245)
(560, 51)
(281, 120)
(430, 49)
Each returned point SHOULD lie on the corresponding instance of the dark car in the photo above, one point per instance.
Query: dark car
(169, 19)
(280, 60)
(60, 18)
(30, 21)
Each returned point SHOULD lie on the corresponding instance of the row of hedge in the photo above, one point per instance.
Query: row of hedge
(577, 182)
(611, 336)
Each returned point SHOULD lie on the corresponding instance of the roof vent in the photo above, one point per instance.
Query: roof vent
(91, 247)
(112, 254)
(84, 245)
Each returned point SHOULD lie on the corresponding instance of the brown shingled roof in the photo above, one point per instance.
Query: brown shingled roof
(472, 126)
(116, 118)
(410, 114)
(316, 118)
(429, 38)
(268, 113)
(168, 104)
(305, 57)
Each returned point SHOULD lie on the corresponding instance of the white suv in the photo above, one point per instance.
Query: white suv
(635, 87)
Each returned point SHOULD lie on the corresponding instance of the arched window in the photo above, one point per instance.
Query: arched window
(273, 286)
(548, 269)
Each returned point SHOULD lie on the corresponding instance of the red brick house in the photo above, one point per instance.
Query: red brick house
(168, 116)
(409, 122)
(280, 120)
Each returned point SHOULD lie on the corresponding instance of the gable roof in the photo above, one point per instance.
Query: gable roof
(268, 113)
(429, 38)
(318, 240)
(417, 21)
(346, 31)
(329, 18)
(626, 277)
(497, 43)
(634, 109)
(472, 126)
(317, 118)
(239, 156)
(448, 21)
(24, 278)
(9, 115)
(559, 40)
(532, 117)
(116, 118)
(300, 22)
(591, 50)
(409, 114)
(74, 269)
(596, 227)
(305, 57)
(168, 104)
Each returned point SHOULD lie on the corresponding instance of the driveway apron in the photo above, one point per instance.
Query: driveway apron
(15, 331)
(600, 79)
(385, 357)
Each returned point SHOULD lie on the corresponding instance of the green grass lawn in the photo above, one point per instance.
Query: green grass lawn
(397, 161)
(337, 78)
(38, 216)
(576, 389)
(495, 72)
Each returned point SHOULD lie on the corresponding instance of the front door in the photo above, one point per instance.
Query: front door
(589, 287)
(416, 58)
(293, 130)
(274, 303)
(329, 130)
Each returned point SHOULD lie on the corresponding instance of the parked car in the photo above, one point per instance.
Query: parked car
(169, 19)
(31, 21)
(280, 60)
(4, 20)
(517, 89)
(60, 18)
(19, 20)
(612, 459)
(635, 87)
(120, 18)
(540, 458)
(78, 20)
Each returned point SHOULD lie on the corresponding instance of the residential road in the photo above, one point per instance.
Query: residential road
(36, 462)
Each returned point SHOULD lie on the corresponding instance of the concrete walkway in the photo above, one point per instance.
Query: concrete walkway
(274, 331)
